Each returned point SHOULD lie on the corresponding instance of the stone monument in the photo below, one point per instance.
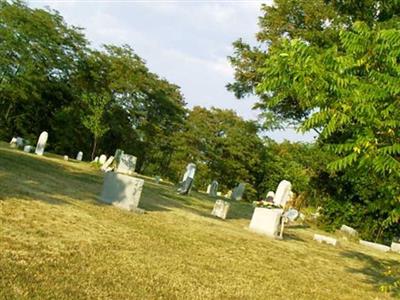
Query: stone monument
(187, 180)
(221, 209)
(41, 144)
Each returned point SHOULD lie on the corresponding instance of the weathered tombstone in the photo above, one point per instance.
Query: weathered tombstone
(348, 230)
(228, 195)
(20, 142)
(325, 239)
(122, 191)
(102, 159)
(79, 156)
(127, 164)
(117, 156)
(28, 148)
(375, 246)
(13, 142)
(187, 181)
(270, 196)
(395, 247)
(221, 209)
(157, 179)
(266, 221)
(41, 144)
(219, 194)
(107, 164)
(237, 193)
(96, 160)
(282, 193)
(213, 192)
(66, 157)
(208, 189)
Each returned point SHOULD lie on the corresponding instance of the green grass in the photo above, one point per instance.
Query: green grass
(58, 242)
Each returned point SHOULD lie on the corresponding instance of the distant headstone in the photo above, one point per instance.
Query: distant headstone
(122, 191)
(219, 194)
(20, 142)
(28, 148)
(395, 247)
(221, 209)
(282, 194)
(41, 144)
(375, 246)
(270, 196)
(266, 221)
(348, 230)
(13, 142)
(325, 239)
(107, 164)
(66, 157)
(117, 156)
(228, 195)
(102, 159)
(96, 160)
(157, 179)
(213, 192)
(127, 164)
(237, 193)
(208, 189)
(187, 181)
(79, 156)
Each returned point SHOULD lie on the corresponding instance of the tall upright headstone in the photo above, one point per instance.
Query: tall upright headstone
(282, 193)
(213, 188)
(41, 144)
(117, 156)
(79, 156)
(237, 193)
(102, 159)
(187, 180)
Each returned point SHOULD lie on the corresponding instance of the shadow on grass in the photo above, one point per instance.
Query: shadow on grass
(373, 269)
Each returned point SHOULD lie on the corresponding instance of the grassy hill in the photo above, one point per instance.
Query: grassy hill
(57, 241)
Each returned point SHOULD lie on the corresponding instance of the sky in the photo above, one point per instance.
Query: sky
(185, 41)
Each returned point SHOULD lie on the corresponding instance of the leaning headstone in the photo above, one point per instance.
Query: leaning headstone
(28, 148)
(102, 159)
(41, 144)
(187, 181)
(66, 157)
(237, 193)
(126, 164)
(107, 164)
(348, 230)
(122, 191)
(213, 192)
(221, 209)
(282, 193)
(395, 247)
(266, 221)
(325, 239)
(375, 246)
(79, 156)
(13, 142)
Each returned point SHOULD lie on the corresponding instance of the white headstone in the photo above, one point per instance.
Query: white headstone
(395, 247)
(41, 144)
(108, 163)
(127, 164)
(221, 209)
(28, 148)
(282, 193)
(325, 239)
(208, 188)
(266, 221)
(375, 246)
(102, 159)
(96, 160)
(270, 196)
(79, 156)
(13, 142)
(66, 157)
(122, 191)
(348, 230)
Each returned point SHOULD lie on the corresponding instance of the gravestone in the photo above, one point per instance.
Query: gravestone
(348, 230)
(107, 164)
(221, 209)
(187, 180)
(157, 179)
(237, 193)
(122, 191)
(13, 142)
(28, 148)
(395, 247)
(102, 159)
(41, 144)
(20, 142)
(375, 246)
(266, 221)
(96, 160)
(208, 189)
(228, 195)
(79, 156)
(325, 239)
(126, 164)
(270, 196)
(213, 192)
(117, 156)
(282, 193)
(66, 157)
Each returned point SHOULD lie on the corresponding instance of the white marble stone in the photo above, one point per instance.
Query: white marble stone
(66, 157)
(13, 142)
(395, 247)
(107, 164)
(325, 239)
(375, 246)
(79, 156)
(126, 164)
(96, 160)
(41, 144)
(102, 159)
(28, 148)
(348, 230)
(266, 221)
(221, 209)
(282, 193)
(123, 191)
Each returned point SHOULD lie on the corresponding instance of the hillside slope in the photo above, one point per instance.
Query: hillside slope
(57, 241)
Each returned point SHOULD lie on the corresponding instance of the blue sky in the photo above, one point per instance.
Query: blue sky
(185, 41)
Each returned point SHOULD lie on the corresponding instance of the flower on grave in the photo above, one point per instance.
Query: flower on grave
(265, 204)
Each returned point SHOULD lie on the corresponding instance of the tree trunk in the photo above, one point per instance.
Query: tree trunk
(94, 147)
